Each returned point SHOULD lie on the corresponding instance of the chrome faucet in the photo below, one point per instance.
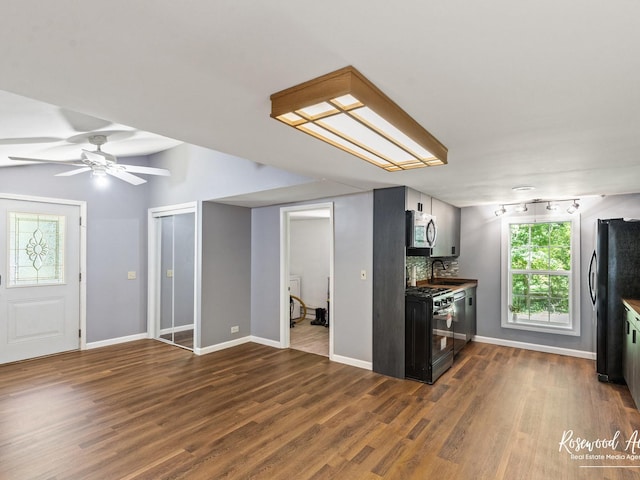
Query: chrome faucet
(433, 263)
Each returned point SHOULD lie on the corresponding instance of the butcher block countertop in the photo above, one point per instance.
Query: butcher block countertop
(454, 283)
(633, 304)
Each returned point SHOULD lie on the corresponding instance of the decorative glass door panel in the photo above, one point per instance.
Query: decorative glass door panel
(36, 249)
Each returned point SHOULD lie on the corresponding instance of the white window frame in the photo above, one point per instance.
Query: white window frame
(574, 277)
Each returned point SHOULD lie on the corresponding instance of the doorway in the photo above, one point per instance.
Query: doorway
(172, 275)
(42, 253)
(307, 245)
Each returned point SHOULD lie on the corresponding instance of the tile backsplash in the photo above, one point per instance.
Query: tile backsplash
(423, 267)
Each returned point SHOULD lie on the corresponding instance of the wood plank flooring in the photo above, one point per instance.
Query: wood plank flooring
(309, 338)
(147, 410)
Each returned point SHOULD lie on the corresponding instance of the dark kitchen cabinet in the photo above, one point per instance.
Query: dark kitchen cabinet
(417, 341)
(389, 274)
(448, 221)
(631, 352)
(470, 313)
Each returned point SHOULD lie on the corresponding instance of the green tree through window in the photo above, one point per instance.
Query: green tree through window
(539, 273)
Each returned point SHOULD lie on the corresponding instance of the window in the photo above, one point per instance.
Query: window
(540, 268)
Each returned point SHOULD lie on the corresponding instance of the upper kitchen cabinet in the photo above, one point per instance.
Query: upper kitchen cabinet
(448, 221)
(415, 200)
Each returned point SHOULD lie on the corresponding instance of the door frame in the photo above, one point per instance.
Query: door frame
(285, 247)
(83, 251)
(153, 268)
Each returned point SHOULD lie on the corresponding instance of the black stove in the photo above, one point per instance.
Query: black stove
(429, 292)
(428, 332)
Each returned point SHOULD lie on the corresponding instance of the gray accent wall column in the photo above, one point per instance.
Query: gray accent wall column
(389, 281)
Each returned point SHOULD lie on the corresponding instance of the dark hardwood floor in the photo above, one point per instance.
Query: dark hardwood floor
(147, 410)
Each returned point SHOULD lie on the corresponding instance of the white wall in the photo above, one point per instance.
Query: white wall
(309, 258)
(480, 259)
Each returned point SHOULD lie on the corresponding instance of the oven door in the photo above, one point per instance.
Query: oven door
(442, 340)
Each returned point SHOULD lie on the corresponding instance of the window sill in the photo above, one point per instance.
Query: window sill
(532, 327)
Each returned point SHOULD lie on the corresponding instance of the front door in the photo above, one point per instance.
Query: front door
(39, 279)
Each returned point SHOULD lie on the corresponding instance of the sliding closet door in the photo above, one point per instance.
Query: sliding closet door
(176, 255)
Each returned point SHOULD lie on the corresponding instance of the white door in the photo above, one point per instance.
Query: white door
(40, 279)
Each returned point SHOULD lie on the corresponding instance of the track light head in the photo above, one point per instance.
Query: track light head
(573, 208)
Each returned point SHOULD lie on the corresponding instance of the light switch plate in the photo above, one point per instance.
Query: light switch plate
(169, 273)
(131, 275)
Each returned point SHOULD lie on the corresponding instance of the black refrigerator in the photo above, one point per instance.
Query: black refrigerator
(614, 274)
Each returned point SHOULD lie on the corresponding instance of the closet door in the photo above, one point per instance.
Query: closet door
(176, 282)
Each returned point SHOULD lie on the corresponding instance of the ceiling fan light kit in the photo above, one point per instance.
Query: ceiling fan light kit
(347, 111)
(101, 164)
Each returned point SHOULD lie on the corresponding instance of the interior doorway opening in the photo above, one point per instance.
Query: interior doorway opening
(307, 246)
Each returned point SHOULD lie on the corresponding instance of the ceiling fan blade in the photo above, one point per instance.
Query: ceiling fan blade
(146, 170)
(127, 177)
(73, 172)
(28, 140)
(44, 160)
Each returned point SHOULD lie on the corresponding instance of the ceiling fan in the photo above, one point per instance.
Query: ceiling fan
(101, 164)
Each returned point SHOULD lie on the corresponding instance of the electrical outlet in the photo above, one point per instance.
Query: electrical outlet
(131, 275)
(363, 274)
(235, 329)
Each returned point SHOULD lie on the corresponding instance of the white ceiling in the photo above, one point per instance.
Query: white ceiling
(545, 93)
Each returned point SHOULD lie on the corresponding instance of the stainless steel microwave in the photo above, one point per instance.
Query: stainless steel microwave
(422, 230)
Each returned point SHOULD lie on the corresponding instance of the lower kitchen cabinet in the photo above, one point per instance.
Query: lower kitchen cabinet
(631, 350)
(470, 313)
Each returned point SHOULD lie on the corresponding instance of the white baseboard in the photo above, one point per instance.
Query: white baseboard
(536, 347)
(354, 362)
(115, 341)
(266, 341)
(221, 346)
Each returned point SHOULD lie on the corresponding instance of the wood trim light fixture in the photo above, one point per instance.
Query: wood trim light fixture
(346, 110)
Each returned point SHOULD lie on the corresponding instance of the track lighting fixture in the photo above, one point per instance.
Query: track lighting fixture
(573, 208)
(552, 206)
(521, 208)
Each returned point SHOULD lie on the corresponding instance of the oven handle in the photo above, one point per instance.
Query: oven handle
(444, 311)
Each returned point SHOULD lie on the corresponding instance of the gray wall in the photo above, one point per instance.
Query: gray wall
(352, 302)
(480, 258)
(226, 273)
(116, 242)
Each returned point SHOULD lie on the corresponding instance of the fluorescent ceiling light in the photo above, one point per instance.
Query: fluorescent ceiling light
(346, 110)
